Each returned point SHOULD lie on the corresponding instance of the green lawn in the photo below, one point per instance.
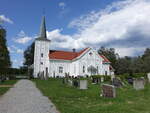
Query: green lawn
(72, 100)
(5, 89)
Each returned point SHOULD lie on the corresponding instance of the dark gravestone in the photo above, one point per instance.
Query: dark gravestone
(75, 83)
(65, 80)
(117, 83)
(130, 80)
(108, 91)
(138, 83)
(2, 78)
(96, 80)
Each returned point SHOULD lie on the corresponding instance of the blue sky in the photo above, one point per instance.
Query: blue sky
(122, 24)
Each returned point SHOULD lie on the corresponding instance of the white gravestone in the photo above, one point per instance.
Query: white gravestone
(83, 84)
(148, 76)
(139, 83)
(102, 79)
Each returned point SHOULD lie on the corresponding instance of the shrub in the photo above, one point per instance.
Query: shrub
(106, 77)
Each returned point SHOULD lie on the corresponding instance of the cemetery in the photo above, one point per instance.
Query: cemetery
(107, 96)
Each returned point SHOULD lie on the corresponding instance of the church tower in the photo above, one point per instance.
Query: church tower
(41, 52)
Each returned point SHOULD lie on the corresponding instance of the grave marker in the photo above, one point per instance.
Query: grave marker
(139, 83)
(83, 84)
(108, 91)
(148, 76)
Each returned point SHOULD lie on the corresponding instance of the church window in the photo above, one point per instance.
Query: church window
(90, 53)
(83, 69)
(60, 69)
(41, 54)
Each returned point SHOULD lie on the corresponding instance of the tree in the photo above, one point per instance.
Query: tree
(110, 54)
(29, 55)
(4, 53)
(146, 60)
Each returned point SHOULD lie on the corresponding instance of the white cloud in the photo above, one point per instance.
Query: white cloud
(121, 21)
(129, 51)
(17, 62)
(3, 18)
(22, 38)
(15, 49)
(62, 5)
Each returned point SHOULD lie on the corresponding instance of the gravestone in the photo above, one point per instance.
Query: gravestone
(108, 91)
(7, 78)
(96, 80)
(130, 80)
(148, 76)
(83, 84)
(75, 83)
(112, 77)
(138, 83)
(70, 83)
(46, 74)
(102, 79)
(65, 80)
(117, 83)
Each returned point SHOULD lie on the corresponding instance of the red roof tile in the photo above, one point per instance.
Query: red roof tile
(105, 60)
(64, 55)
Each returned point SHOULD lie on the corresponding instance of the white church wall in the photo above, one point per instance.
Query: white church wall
(88, 59)
(41, 62)
(54, 67)
(106, 70)
(75, 67)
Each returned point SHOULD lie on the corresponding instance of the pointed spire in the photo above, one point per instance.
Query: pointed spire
(43, 29)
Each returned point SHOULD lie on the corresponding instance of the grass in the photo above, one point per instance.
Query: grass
(72, 100)
(5, 89)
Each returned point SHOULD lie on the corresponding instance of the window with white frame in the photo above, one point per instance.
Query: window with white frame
(60, 69)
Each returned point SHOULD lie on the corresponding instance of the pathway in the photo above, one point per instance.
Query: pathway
(24, 97)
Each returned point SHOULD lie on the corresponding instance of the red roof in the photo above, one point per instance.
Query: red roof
(105, 60)
(64, 55)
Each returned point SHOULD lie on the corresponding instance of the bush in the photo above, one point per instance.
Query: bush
(134, 75)
(106, 77)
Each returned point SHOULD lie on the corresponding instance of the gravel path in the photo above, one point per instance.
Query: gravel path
(24, 97)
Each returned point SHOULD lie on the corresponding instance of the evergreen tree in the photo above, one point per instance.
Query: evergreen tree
(29, 55)
(4, 53)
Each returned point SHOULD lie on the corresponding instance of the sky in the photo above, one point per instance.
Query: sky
(120, 24)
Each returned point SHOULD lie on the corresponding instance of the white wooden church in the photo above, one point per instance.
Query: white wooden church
(73, 63)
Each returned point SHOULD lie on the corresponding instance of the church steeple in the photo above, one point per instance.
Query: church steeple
(42, 35)
(43, 29)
